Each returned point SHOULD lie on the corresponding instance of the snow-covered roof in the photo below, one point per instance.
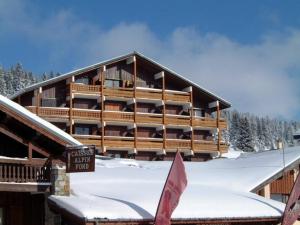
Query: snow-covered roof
(116, 59)
(122, 189)
(24, 113)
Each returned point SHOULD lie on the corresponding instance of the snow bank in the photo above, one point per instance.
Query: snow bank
(217, 189)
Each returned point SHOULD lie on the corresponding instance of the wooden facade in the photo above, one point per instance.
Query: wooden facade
(132, 105)
(27, 153)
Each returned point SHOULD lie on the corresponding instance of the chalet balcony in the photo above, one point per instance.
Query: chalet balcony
(117, 93)
(178, 120)
(118, 116)
(86, 114)
(85, 89)
(149, 144)
(208, 122)
(119, 142)
(178, 144)
(208, 146)
(88, 139)
(149, 118)
(149, 93)
(177, 96)
(55, 112)
(15, 173)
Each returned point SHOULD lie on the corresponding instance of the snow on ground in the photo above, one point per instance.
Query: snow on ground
(129, 189)
(232, 153)
(20, 110)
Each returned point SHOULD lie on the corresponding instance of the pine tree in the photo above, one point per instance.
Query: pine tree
(245, 141)
(3, 89)
(234, 128)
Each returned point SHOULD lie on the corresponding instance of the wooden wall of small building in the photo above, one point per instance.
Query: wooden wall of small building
(284, 184)
(23, 208)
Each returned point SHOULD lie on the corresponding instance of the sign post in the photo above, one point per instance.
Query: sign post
(80, 158)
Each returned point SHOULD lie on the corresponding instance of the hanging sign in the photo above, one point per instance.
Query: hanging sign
(80, 159)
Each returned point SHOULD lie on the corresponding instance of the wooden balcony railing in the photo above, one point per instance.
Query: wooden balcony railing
(147, 143)
(177, 120)
(31, 109)
(118, 116)
(55, 112)
(209, 122)
(149, 118)
(119, 142)
(208, 146)
(177, 96)
(20, 171)
(87, 114)
(118, 92)
(177, 143)
(149, 94)
(88, 139)
(84, 88)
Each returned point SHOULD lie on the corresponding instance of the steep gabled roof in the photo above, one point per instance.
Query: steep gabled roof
(23, 115)
(113, 60)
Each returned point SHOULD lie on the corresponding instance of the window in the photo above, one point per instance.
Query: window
(82, 130)
(112, 83)
(2, 216)
(83, 80)
(199, 112)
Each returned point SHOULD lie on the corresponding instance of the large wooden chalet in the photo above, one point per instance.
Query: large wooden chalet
(131, 106)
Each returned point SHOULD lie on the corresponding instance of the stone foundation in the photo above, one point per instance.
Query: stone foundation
(60, 181)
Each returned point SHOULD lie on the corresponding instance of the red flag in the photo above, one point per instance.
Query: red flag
(292, 209)
(175, 184)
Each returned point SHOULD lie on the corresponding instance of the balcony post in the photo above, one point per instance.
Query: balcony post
(134, 97)
(38, 93)
(191, 119)
(218, 127)
(71, 106)
(103, 69)
(29, 151)
(164, 110)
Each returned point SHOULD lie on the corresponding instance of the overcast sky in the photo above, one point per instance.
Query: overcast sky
(247, 52)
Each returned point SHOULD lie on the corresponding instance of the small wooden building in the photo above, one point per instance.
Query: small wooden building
(29, 147)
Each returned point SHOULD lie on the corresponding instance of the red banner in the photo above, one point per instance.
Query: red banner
(292, 209)
(174, 186)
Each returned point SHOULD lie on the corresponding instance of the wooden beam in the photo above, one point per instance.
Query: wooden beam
(23, 187)
(159, 75)
(102, 109)
(135, 103)
(191, 119)
(219, 129)
(30, 151)
(4, 130)
(40, 150)
(164, 112)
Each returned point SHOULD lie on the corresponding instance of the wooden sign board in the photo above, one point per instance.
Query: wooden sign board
(80, 158)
